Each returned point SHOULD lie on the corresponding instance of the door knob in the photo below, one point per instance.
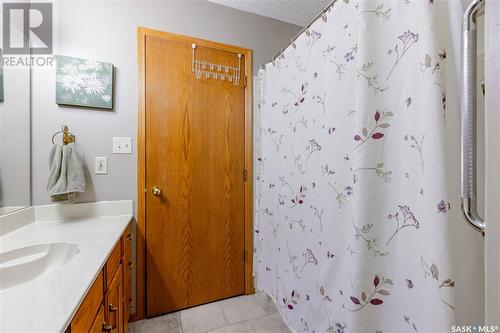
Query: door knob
(156, 191)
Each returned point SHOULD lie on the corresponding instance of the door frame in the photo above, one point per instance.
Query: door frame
(142, 33)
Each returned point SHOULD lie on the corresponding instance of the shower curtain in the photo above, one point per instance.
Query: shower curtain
(357, 173)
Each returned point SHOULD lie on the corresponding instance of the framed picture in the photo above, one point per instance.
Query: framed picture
(84, 83)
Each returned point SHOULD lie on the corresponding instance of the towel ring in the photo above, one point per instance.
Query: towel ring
(68, 137)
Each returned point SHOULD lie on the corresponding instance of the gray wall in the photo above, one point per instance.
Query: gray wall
(106, 31)
(15, 134)
(15, 138)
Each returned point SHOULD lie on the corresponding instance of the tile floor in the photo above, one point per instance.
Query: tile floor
(243, 314)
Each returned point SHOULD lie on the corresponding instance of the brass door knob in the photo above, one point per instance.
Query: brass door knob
(156, 191)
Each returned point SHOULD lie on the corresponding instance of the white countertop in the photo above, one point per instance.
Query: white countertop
(48, 303)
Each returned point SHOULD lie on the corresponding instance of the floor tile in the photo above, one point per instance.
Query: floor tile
(170, 323)
(242, 308)
(140, 326)
(266, 302)
(270, 324)
(244, 327)
(203, 318)
(244, 314)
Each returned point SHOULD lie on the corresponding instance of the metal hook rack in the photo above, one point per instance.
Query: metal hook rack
(220, 72)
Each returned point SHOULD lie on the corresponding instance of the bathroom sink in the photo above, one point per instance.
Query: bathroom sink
(27, 263)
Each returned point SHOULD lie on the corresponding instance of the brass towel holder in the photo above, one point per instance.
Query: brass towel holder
(68, 137)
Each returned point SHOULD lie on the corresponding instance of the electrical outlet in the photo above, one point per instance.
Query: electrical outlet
(101, 165)
(122, 145)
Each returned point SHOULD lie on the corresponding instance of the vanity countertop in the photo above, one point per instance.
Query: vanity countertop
(48, 302)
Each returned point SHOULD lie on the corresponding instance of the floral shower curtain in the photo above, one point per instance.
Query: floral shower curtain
(357, 187)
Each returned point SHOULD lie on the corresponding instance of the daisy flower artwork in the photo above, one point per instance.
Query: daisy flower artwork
(84, 83)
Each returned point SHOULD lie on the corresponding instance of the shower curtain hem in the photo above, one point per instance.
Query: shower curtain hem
(277, 310)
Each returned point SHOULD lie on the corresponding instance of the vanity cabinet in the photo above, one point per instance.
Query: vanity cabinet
(99, 319)
(107, 304)
(84, 317)
(127, 275)
(114, 304)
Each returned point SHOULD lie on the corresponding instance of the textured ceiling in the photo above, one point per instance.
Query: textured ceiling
(299, 12)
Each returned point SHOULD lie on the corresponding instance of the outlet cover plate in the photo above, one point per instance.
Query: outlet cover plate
(122, 145)
(101, 165)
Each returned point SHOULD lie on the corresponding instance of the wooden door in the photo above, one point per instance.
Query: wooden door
(195, 154)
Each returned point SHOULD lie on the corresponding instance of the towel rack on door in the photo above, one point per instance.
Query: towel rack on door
(468, 110)
(68, 137)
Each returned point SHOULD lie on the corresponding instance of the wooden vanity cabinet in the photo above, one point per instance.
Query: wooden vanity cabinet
(98, 321)
(106, 306)
(83, 320)
(127, 275)
(113, 303)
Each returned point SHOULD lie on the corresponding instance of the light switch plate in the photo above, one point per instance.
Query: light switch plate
(122, 145)
(101, 165)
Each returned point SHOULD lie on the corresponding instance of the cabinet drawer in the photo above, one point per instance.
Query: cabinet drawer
(84, 317)
(127, 282)
(98, 321)
(127, 245)
(114, 303)
(113, 263)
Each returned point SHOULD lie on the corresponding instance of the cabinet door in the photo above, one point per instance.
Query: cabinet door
(114, 304)
(127, 274)
(84, 317)
(126, 314)
(127, 292)
(127, 266)
(113, 261)
(97, 326)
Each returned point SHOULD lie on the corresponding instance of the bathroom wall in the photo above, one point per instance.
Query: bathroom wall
(15, 139)
(107, 31)
(14, 132)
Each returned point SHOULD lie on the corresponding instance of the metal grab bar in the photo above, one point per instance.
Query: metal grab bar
(468, 108)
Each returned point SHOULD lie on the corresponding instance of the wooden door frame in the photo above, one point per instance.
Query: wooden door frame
(142, 33)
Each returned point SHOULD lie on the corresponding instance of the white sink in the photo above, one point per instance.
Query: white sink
(27, 263)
